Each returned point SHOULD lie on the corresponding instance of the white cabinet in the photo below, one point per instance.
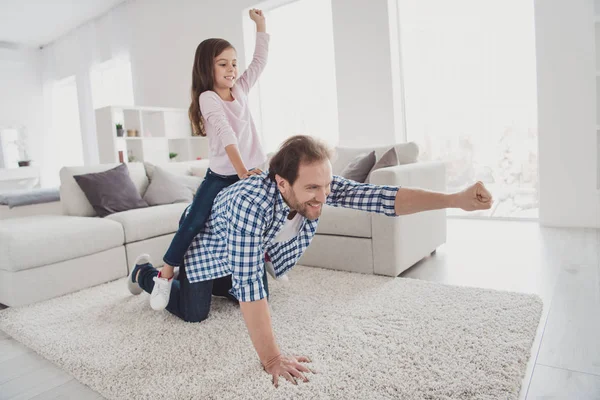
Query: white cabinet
(21, 178)
(160, 131)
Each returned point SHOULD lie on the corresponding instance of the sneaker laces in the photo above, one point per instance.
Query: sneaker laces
(163, 285)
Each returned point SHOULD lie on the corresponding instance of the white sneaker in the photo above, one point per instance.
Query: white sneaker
(133, 287)
(159, 298)
(271, 270)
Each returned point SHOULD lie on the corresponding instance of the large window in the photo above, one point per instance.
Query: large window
(112, 83)
(297, 91)
(469, 82)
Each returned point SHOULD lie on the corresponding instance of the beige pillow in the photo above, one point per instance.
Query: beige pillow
(388, 159)
(168, 188)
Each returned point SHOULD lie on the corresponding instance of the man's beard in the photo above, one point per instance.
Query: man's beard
(303, 208)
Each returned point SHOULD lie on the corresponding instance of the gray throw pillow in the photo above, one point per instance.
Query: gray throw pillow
(168, 188)
(388, 159)
(359, 168)
(110, 191)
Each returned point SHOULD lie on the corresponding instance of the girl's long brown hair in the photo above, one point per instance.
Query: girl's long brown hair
(203, 77)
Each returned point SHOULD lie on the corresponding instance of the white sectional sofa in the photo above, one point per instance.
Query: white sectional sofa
(47, 256)
(358, 241)
(146, 230)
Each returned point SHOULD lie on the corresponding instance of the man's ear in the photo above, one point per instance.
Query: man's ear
(282, 184)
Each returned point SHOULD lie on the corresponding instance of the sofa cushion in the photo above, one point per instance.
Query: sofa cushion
(344, 222)
(34, 241)
(145, 223)
(72, 197)
(388, 159)
(179, 169)
(168, 188)
(359, 168)
(407, 154)
(110, 191)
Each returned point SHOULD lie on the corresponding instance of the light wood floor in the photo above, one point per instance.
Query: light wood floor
(561, 265)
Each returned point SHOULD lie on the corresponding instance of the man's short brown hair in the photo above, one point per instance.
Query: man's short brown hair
(294, 151)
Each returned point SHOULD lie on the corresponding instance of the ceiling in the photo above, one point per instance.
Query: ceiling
(35, 23)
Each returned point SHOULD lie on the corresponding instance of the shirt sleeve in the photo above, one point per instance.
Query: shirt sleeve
(363, 196)
(258, 64)
(245, 248)
(212, 110)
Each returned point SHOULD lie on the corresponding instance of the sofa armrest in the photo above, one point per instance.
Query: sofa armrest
(399, 242)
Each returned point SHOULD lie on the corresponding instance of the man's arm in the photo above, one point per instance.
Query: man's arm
(409, 201)
(394, 201)
(258, 321)
(246, 256)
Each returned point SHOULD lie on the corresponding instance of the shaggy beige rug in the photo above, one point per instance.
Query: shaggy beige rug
(369, 337)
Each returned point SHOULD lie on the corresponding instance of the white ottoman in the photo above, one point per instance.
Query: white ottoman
(50, 255)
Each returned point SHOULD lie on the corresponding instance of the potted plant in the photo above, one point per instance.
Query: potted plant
(24, 160)
(172, 156)
(120, 130)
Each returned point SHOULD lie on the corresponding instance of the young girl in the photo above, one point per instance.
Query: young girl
(219, 111)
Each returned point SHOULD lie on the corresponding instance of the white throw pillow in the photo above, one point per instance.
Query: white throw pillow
(168, 188)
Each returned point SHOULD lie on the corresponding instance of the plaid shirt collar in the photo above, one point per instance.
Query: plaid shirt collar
(281, 210)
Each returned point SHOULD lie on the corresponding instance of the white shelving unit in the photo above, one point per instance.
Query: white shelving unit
(160, 131)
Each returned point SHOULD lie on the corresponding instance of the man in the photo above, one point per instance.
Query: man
(277, 213)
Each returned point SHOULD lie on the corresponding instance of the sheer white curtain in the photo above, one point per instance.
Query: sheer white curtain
(470, 95)
(63, 146)
(76, 55)
(297, 92)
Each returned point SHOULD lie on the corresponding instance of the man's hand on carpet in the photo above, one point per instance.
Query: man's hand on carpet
(475, 197)
(288, 367)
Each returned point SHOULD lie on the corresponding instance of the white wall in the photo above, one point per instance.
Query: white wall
(21, 95)
(161, 38)
(566, 81)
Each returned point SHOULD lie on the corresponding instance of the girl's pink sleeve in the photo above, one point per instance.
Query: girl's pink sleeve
(259, 61)
(212, 110)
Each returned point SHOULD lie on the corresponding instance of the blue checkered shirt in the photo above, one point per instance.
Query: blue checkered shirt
(245, 219)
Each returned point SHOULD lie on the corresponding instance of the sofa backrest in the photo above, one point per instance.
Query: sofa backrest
(196, 167)
(74, 202)
(407, 154)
